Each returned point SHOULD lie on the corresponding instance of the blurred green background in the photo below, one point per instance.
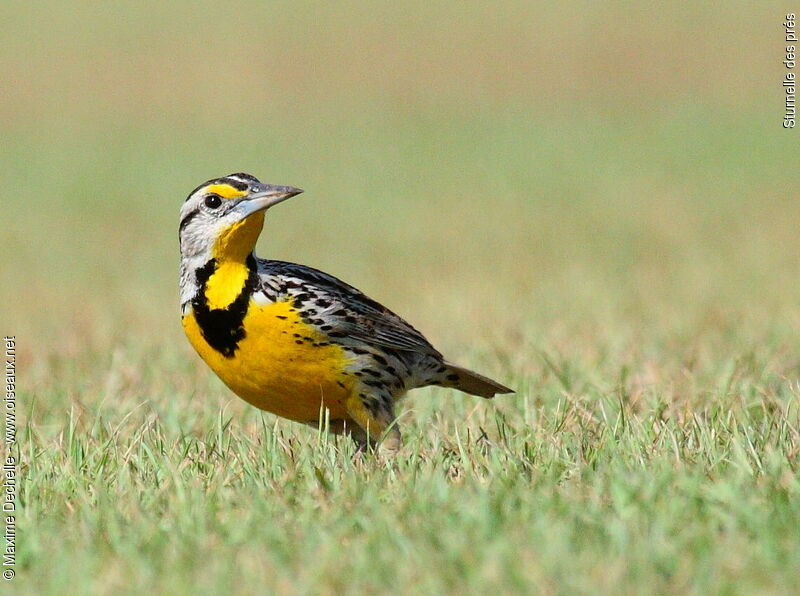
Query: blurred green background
(593, 203)
(495, 173)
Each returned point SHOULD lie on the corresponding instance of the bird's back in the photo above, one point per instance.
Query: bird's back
(345, 314)
(377, 338)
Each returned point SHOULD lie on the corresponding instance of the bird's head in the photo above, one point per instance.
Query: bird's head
(223, 217)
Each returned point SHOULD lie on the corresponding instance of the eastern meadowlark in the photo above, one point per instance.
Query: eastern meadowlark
(293, 340)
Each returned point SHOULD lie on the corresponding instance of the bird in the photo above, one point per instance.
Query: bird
(290, 339)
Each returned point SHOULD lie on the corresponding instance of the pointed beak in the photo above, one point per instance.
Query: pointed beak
(264, 196)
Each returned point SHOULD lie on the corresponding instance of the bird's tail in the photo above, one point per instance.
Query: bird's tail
(471, 382)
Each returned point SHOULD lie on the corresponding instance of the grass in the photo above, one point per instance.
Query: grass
(600, 215)
(587, 491)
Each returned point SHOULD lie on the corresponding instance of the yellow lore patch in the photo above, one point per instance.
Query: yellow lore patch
(226, 191)
(277, 367)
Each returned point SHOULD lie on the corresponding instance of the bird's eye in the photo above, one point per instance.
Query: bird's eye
(213, 201)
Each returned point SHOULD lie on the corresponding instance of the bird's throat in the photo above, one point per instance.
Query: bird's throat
(237, 242)
(233, 262)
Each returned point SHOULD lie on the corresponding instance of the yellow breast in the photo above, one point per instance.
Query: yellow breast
(280, 366)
